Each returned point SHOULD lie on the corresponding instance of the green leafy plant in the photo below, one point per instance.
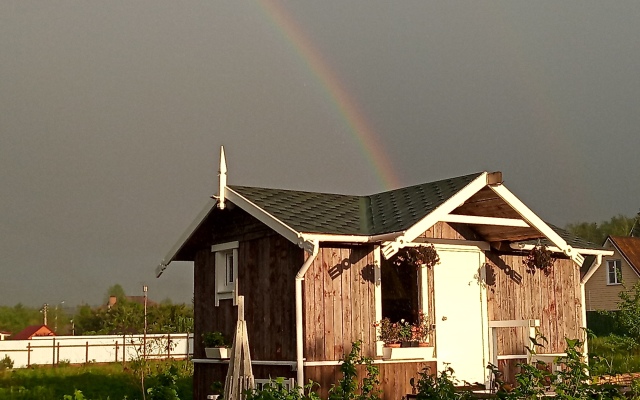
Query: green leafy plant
(77, 395)
(438, 386)
(277, 390)
(216, 388)
(6, 363)
(417, 256)
(405, 331)
(165, 387)
(348, 386)
(214, 339)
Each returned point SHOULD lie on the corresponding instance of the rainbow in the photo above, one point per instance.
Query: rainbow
(345, 104)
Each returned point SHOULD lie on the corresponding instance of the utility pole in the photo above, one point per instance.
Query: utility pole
(45, 308)
(55, 329)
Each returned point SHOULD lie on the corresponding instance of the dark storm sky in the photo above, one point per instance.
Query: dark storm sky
(112, 114)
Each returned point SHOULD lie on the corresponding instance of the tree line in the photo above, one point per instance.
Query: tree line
(597, 233)
(126, 316)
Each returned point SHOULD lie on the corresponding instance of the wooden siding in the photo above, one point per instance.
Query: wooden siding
(339, 303)
(513, 293)
(394, 377)
(267, 264)
(602, 296)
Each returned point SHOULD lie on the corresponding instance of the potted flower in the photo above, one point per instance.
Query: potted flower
(215, 345)
(422, 329)
(405, 332)
(418, 256)
(389, 333)
(540, 257)
(217, 388)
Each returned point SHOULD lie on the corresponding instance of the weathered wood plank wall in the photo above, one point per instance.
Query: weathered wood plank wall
(513, 293)
(267, 264)
(394, 377)
(339, 303)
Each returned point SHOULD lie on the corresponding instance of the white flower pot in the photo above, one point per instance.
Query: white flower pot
(407, 353)
(217, 352)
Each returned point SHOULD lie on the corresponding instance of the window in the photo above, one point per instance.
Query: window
(226, 271)
(400, 292)
(614, 272)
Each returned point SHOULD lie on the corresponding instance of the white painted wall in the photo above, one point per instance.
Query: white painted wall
(102, 348)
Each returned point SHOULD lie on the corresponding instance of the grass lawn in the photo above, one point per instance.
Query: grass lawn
(97, 382)
(614, 355)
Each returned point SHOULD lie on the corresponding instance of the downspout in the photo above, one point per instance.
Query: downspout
(299, 323)
(583, 282)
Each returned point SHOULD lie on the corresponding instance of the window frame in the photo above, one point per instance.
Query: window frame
(224, 287)
(617, 272)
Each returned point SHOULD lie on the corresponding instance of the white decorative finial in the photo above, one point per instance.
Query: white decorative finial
(222, 175)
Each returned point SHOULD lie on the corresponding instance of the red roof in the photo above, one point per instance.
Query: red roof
(31, 331)
(630, 249)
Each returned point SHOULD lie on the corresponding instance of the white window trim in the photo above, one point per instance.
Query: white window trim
(619, 262)
(423, 292)
(222, 289)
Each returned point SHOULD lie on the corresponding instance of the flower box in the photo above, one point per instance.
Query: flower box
(217, 352)
(407, 353)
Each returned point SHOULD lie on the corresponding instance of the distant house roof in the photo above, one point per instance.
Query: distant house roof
(133, 299)
(34, 330)
(629, 248)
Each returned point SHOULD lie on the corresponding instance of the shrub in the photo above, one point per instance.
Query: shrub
(348, 387)
(441, 387)
(6, 363)
(276, 390)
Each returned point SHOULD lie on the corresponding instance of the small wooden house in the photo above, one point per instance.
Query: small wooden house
(618, 271)
(316, 273)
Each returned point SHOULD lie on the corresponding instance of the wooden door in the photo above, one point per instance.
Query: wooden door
(461, 313)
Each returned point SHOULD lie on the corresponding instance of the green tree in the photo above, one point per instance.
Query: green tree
(618, 225)
(16, 318)
(628, 313)
(117, 291)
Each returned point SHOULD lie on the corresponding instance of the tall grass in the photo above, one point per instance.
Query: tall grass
(614, 355)
(97, 382)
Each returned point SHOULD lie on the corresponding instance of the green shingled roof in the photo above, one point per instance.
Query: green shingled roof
(386, 212)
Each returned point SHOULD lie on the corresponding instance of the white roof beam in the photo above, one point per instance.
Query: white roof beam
(436, 215)
(477, 220)
(532, 219)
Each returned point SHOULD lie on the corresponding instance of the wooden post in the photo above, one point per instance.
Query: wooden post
(28, 354)
(58, 353)
(86, 354)
(53, 348)
(117, 351)
(168, 345)
(124, 350)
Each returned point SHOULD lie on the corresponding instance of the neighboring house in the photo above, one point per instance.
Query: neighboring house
(4, 335)
(616, 272)
(32, 331)
(315, 273)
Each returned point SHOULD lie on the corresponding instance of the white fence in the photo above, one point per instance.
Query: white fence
(102, 348)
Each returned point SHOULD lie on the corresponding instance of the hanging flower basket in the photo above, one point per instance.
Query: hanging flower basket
(418, 256)
(539, 258)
